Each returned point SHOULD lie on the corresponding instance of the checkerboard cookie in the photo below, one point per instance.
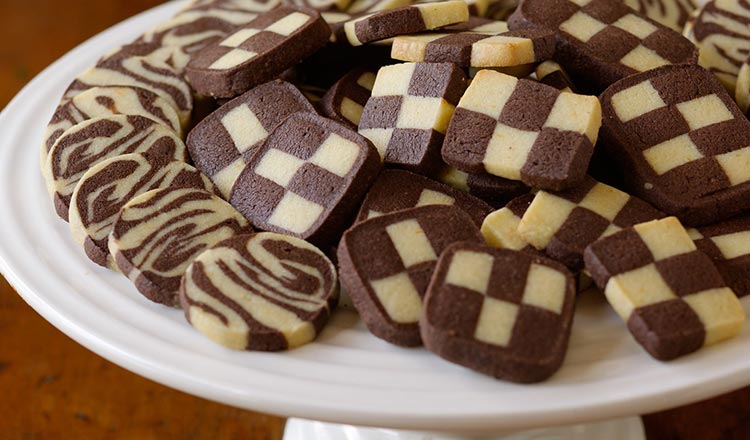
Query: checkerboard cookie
(552, 74)
(500, 9)
(395, 190)
(345, 101)
(728, 245)
(602, 41)
(562, 224)
(499, 312)
(307, 179)
(263, 291)
(87, 143)
(500, 228)
(222, 143)
(408, 113)
(523, 130)
(157, 234)
(109, 185)
(671, 13)
(385, 265)
(671, 296)
(257, 52)
(681, 141)
(478, 25)
(495, 191)
(405, 20)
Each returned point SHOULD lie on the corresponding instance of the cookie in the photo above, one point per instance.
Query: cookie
(671, 13)
(361, 7)
(500, 228)
(385, 265)
(681, 142)
(263, 291)
(395, 190)
(87, 143)
(742, 88)
(523, 130)
(235, 6)
(224, 142)
(494, 190)
(562, 224)
(469, 49)
(478, 25)
(552, 74)
(499, 312)
(157, 234)
(320, 5)
(408, 113)
(671, 296)
(345, 101)
(602, 41)
(500, 9)
(405, 20)
(109, 185)
(307, 179)
(257, 52)
(728, 245)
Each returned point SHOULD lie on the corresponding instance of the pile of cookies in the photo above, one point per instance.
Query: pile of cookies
(461, 177)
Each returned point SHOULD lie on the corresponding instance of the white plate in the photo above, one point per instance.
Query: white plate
(347, 376)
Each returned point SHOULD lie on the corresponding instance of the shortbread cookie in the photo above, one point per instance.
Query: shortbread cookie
(307, 179)
(671, 296)
(385, 265)
(499, 312)
(405, 20)
(409, 111)
(395, 190)
(257, 52)
(262, 291)
(552, 74)
(496, 191)
(602, 41)
(345, 101)
(471, 49)
(85, 144)
(563, 224)
(523, 130)
(500, 228)
(224, 142)
(728, 245)
(157, 234)
(671, 13)
(109, 185)
(681, 142)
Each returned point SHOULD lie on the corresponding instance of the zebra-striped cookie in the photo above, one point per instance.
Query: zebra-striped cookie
(263, 291)
(671, 13)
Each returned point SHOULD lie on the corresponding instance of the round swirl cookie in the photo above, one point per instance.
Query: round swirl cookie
(264, 291)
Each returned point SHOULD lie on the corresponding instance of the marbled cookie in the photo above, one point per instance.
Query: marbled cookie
(385, 265)
(307, 179)
(408, 113)
(728, 245)
(263, 291)
(552, 74)
(523, 130)
(87, 143)
(405, 20)
(109, 185)
(224, 142)
(496, 191)
(257, 52)
(499, 312)
(345, 101)
(395, 190)
(671, 296)
(671, 13)
(235, 6)
(157, 234)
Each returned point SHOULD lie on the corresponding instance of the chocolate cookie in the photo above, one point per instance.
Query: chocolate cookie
(395, 190)
(109, 185)
(499, 312)
(87, 143)
(500, 228)
(671, 296)
(728, 245)
(496, 191)
(262, 291)
(224, 142)
(671, 13)
(257, 52)
(157, 234)
(552, 74)
(385, 265)
(523, 130)
(409, 111)
(602, 41)
(681, 142)
(345, 101)
(307, 179)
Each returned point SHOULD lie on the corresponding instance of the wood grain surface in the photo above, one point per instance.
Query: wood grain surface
(55, 389)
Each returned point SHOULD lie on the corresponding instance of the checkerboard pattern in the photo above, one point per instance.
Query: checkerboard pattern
(505, 126)
(669, 293)
(345, 101)
(728, 245)
(552, 74)
(500, 228)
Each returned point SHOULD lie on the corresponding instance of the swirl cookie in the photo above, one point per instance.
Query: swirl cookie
(345, 101)
(109, 185)
(728, 245)
(499, 312)
(671, 296)
(257, 52)
(671, 13)
(157, 234)
(496, 191)
(85, 144)
(262, 291)
(222, 143)
(385, 265)
(307, 179)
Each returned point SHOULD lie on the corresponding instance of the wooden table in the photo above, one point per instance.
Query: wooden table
(54, 388)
